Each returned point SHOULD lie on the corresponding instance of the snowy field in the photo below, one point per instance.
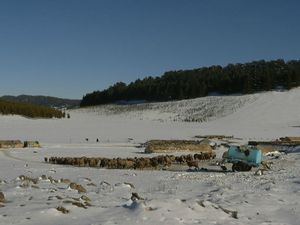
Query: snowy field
(170, 197)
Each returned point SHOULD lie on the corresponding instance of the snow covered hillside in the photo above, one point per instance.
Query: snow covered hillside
(192, 110)
(270, 107)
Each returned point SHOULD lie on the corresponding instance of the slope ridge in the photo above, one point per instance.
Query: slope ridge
(192, 110)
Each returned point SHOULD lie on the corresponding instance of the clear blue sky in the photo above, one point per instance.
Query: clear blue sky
(67, 48)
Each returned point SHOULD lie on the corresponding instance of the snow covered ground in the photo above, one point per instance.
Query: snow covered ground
(170, 197)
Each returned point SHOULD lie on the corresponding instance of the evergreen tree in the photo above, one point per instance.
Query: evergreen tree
(182, 84)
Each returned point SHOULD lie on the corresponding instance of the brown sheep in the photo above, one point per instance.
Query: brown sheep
(160, 159)
(120, 163)
(198, 156)
(81, 162)
(75, 161)
(93, 162)
(154, 162)
(171, 157)
(69, 160)
(104, 162)
(129, 164)
(189, 157)
(147, 162)
(167, 162)
(139, 164)
(180, 159)
(112, 164)
(51, 160)
(193, 164)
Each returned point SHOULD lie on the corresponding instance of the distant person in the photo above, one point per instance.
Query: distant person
(97, 140)
(87, 139)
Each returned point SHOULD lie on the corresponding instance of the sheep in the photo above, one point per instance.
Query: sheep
(179, 159)
(139, 164)
(81, 162)
(104, 162)
(198, 156)
(132, 163)
(93, 162)
(112, 163)
(189, 157)
(193, 164)
(129, 164)
(171, 157)
(69, 160)
(148, 162)
(154, 162)
(167, 162)
(121, 163)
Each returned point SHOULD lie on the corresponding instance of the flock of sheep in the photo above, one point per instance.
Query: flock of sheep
(156, 162)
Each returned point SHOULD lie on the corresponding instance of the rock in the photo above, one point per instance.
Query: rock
(59, 197)
(88, 204)
(92, 184)
(67, 201)
(52, 180)
(234, 214)
(259, 172)
(266, 165)
(150, 208)
(131, 185)
(65, 181)
(25, 184)
(2, 197)
(135, 196)
(203, 203)
(79, 204)
(44, 177)
(62, 209)
(77, 187)
(52, 190)
(3, 182)
(72, 185)
(85, 198)
(27, 179)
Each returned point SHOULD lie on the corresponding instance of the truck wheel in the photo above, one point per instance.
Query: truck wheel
(234, 167)
(241, 167)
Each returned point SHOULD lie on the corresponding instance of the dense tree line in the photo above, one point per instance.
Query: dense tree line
(28, 110)
(183, 84)
(43, 101)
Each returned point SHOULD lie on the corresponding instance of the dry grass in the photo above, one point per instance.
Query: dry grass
(165, 146)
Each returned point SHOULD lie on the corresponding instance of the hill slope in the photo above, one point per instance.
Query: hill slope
(43, 101)
(29, 110)
(262, 115)
(192, 110)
